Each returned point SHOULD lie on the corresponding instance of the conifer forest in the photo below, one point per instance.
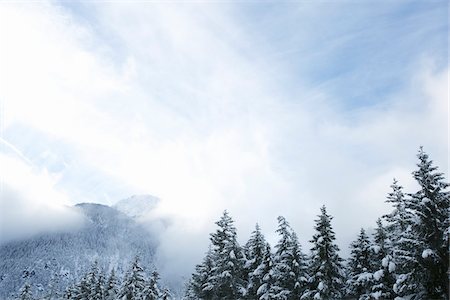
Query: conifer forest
(406, 257)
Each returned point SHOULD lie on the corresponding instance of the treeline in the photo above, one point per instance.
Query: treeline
(407, 256)
(96, 285)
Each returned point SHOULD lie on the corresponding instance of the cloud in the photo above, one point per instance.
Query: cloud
(192, 104)
(30, 204)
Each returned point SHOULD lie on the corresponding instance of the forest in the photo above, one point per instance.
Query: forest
(406, 257)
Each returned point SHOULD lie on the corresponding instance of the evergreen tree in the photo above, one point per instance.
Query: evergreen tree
(360, 268)
(425, 249)
(383, 264)
(111, 286)
(151, 290)
(166, 294)
(82, 290)
(299, 268)
(288, 265)
(228, 271)
(134, 282)
(254, 252)
(399, 219)
(25, 292)
(326, 279)
(53, 287)
(200, 286)
(265, 270)
(95, 283)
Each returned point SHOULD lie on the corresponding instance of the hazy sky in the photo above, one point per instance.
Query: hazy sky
(264, 109)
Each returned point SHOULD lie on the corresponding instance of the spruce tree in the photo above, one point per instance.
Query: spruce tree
(82, 289)
(151, 290)
(134, 282)
(288, 268)
(299, 268)
(265, 270)
(360, 266)
(325, 267)
(228, 271)
(111, 286)
(200, 285)
(254, 253)
(429, 234)
(25, 292)
(383, 264)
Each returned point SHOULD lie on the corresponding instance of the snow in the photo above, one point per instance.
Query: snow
(377, 295)
(317, 296)
(320, 286)
(392, 267)
(425, 200)
(385, 262)
(137, 206)
(427, 253)
(376, 249)
(365, 276)
(378, 274)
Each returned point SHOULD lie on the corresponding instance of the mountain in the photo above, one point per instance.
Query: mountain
(109, 236)
(137, 206)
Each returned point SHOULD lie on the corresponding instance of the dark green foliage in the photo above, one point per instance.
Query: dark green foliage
(325, 268)
(360, 265)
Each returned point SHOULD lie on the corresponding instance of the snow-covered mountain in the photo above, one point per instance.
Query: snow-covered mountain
(108, 236)
(137, 206)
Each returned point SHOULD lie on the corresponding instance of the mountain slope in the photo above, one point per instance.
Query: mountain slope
(108, 236)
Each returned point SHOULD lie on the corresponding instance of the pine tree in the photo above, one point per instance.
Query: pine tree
(111, 286)
(200, 286)
(254, 252)
(399, 219)
(265, 270)
(360, 268)
(288, 265)
(326, 279)
(95, 282)
(166, 294)
(151, 290)
(25, 292)
(426, 252)
(298, 268)
(383, 264)
(82, 289)
(228, 272)
(134, 282)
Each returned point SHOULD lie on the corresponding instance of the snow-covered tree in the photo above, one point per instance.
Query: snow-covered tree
(134, 282)
(95, 281)
(325, 267)
(424, 245)
(265, 270)
(254, 253)
(151, 290)
(360, 265)
(399, 219)
(289, 264)
(82, 289)
(299, 268)
(383, 264)
(112, 286)
(200, 285)
(228, 271)
(25, 292)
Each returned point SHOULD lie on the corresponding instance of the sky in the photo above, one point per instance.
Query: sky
(260, 108)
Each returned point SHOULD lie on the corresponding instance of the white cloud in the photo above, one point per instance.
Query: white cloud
(29, 202)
